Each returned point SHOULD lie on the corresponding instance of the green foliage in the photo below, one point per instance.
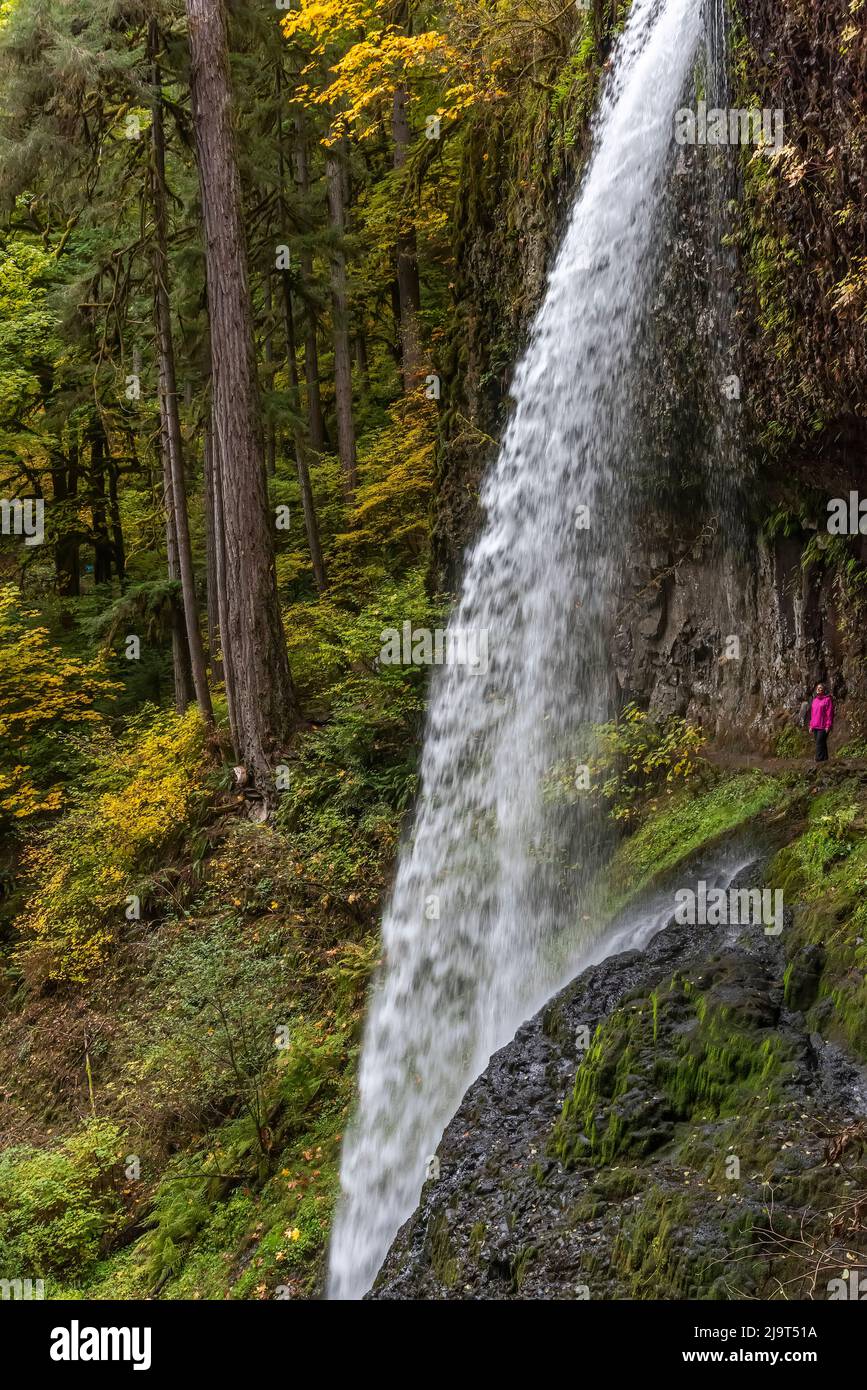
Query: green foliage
(673, 830)
(831, 838)
(206, 1202)
(250, 930)
(27, 340)
(215, 1036)
(389, 524)
(792, 742)
(835, 554)
(60, 1205)
(354, 778)
(638, 756)
(784, 521)
(823, 874)
(226, 1038)
(853, 748)
(330, 642)
(144, 608)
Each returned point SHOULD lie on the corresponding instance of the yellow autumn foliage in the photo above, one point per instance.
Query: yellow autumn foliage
(378, 57)
(142, 795)
(41, 690)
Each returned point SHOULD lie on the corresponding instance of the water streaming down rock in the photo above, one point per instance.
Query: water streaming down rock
(486, 908)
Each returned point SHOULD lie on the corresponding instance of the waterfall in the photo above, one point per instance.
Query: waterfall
(489, 902)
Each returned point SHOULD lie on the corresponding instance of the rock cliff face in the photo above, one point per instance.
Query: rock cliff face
(792, 624)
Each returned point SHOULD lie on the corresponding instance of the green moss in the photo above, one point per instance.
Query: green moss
(477, 1240)
(631, 1090)
(674, 829)
(616, 1184)
(646, 1252)
(538, 1173)
(520, 1265)
(823, 875)
(443, 1260)
(587, 1209)
(792, 743)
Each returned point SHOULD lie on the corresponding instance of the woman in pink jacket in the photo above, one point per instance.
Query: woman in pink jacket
(821, 722)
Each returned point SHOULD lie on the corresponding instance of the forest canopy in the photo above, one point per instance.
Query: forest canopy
(233, 341)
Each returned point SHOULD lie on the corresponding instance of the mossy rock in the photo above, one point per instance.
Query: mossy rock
(703, 1046)
(803, 977)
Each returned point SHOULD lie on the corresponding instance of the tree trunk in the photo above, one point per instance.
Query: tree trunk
(103, 549)
(270, 432)
(168, 387)
(317, 427)
(116, 526)
(340, 317)
(213, 537)
(183, 679)
(265, 704)
(361, 361)
(308, 505)
(222, 603)
(315, 419)
(64, 485)
(409, 292)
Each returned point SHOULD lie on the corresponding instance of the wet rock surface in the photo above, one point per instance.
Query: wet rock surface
(690, 1161)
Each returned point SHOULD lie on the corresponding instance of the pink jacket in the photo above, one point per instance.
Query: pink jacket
(822, 713)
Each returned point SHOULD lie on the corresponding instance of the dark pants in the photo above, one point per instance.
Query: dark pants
(821, 737)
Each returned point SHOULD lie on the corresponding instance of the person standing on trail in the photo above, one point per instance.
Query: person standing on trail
(821, 722)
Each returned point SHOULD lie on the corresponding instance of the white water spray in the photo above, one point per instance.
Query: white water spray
(486, 909)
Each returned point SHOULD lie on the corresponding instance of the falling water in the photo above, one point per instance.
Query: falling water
(490, 893)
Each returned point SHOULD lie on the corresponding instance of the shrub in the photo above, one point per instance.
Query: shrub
(224, 990)
(140, 797)
(41, 690)
(831, 838)
(636, 755)
(59, 1206)
(354, 778)
(303, 1082)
